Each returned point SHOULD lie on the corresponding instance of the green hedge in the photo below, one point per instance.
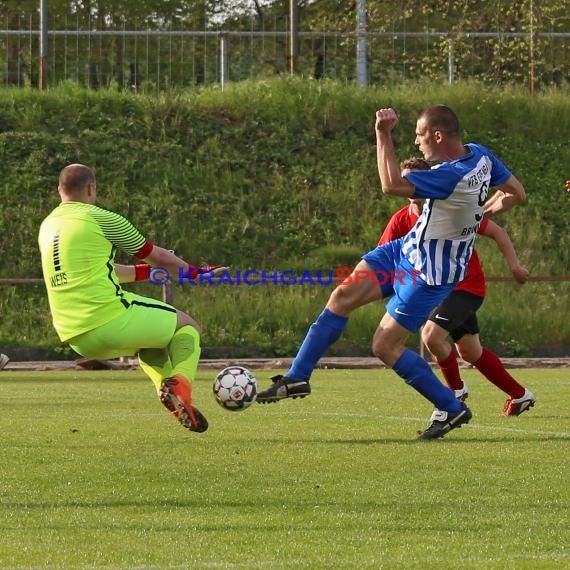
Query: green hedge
(264, 175)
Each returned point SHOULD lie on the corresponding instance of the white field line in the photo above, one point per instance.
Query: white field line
(468, 426)
(472, 425)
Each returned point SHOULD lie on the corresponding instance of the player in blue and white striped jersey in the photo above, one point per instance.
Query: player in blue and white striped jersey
(440, 244)
(424, 266)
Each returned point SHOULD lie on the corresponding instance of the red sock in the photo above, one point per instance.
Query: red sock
(492, 368)
(450, 370)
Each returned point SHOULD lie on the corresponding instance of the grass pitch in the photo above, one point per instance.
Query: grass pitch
(96, 474)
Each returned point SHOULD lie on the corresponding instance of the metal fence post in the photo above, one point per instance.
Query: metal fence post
(450, 61)
(294, 37)
(42, 77)
(223, 60)
(361, 46)
(168, 293)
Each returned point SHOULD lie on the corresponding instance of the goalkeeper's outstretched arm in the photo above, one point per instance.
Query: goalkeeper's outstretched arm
(160, 257)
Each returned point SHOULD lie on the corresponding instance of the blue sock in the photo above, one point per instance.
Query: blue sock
(323, 332)
(419, 375)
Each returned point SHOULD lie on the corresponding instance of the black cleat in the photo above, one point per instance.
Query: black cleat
(282, 388)
(443, 422)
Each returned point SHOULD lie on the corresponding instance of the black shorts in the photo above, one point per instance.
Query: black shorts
(457, 314)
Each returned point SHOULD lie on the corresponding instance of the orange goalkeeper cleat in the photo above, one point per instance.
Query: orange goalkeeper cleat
(176, 395)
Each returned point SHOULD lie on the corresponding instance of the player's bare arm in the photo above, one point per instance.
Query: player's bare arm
(160, 257)
(391, 180)
(125, 273)
(506, 196)
(503, 241)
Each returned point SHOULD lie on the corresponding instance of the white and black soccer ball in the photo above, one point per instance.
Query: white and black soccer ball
(235, 388)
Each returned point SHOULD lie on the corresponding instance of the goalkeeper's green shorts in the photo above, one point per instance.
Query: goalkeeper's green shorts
(147, 323)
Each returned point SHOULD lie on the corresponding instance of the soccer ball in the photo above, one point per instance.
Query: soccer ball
(235, 388)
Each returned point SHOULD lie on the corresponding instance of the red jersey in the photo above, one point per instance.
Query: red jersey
(404, 220)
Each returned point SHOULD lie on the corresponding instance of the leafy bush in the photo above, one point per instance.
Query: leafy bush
(272, 174)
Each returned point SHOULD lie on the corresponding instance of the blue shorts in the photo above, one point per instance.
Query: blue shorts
(411, 298)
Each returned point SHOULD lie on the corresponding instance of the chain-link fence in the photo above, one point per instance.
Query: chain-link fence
(150, 59)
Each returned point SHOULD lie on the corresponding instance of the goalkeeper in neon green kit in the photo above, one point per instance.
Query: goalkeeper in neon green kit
(95, 315)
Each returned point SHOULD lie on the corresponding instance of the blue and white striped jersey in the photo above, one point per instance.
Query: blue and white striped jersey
(439, 246)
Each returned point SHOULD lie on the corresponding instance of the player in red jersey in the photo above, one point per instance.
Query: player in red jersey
(456, 315)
